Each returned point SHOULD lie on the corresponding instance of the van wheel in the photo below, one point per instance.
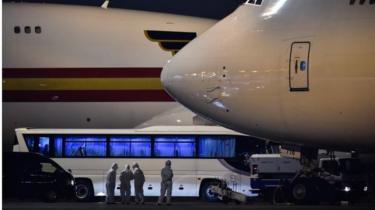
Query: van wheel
(83, 190)
(50, 196)
(206, 194)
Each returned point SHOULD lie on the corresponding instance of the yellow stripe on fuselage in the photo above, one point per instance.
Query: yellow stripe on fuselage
(82, 84)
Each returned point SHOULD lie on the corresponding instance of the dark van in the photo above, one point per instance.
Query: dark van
(31, 174)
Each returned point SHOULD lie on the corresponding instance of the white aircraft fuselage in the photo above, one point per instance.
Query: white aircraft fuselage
(87, 67)
(293, 71)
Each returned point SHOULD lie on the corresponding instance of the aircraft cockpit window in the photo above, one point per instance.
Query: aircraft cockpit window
(27, 29)
(256, 2)
(17, 29)
(38, 29)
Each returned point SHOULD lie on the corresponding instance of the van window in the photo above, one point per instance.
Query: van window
(47, 168)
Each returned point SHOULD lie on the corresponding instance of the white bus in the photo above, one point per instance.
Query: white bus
(200, 155)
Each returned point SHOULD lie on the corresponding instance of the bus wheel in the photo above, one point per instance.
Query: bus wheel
(206, 194)
(83, 190)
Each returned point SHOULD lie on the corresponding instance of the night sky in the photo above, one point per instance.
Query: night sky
(216, 9)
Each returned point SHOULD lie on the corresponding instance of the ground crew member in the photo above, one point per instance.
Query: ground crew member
(111, 183)
(166, 183)
(139, 180)
(125, 188)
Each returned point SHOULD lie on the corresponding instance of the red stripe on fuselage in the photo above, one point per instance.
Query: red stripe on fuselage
(81, 72)
(87, 96)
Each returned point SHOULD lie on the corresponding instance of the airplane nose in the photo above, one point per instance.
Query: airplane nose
(175, 78)
(196, 81)
(167, 76)
(181, 78)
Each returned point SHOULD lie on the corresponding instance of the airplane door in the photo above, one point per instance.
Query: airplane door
(299, 66)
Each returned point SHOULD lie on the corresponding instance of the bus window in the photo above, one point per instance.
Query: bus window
(58, 146)
(85, 146)
(38, 144)
(140, 147)
(216, 146)
(119, 146)
(43, 145)
(30, 142)
(174, 146)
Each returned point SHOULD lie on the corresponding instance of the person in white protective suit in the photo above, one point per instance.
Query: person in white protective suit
(125, 187)
(139, 180)
(166, 183)
(110, 183)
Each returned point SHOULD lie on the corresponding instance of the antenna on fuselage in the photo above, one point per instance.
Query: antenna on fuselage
(105, 4)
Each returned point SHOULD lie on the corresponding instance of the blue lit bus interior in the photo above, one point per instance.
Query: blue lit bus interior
(142, 146)
(227, 147)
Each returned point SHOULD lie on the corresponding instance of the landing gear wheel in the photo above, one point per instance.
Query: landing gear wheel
(206, 194)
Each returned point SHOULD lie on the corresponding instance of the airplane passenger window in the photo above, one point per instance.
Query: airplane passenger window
(217, 146)
(174, 146)
(256, 2)
(85, 146)
(38, 29)
(27, 29)
(17, 29)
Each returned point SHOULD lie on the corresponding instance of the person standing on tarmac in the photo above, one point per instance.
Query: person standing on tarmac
(166, 183)
(110, 183)
(125, 187)
(139, 180)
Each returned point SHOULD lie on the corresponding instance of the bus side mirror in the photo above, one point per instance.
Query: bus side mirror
(69, 170)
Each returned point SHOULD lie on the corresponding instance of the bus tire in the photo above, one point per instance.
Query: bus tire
(205, 192)
(83, 190)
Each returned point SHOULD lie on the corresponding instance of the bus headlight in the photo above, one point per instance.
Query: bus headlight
(365, 189)
(71, 182)
(347, 189)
